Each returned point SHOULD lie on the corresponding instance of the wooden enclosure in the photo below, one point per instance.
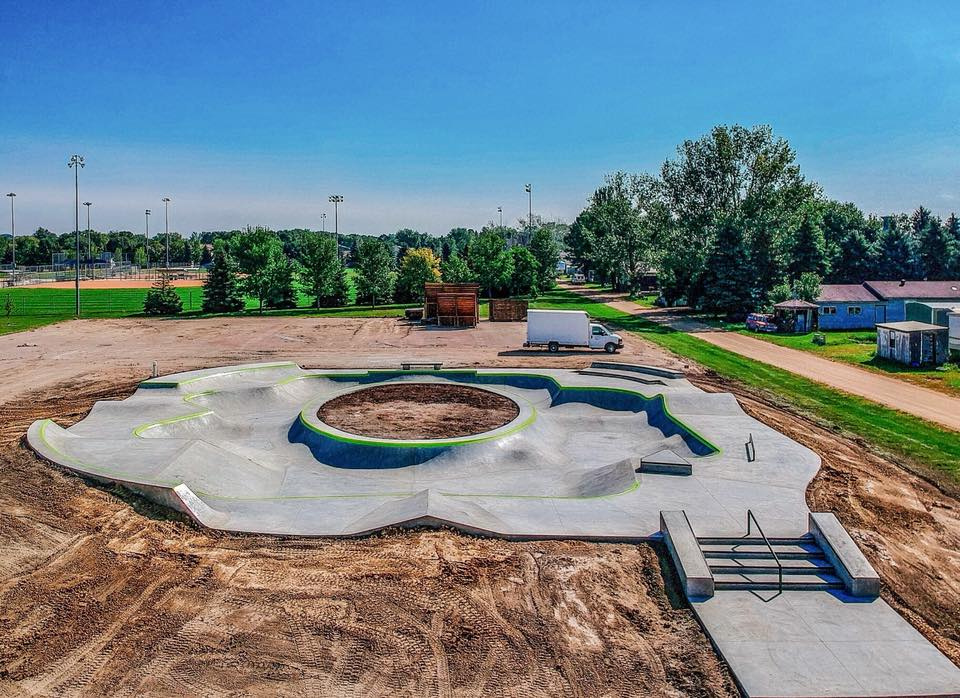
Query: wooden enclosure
(508, 310)
(453, 305)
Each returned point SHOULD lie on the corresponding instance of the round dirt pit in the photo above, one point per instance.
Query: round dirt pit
(418, 411)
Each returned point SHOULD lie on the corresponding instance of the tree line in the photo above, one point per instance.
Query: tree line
(276, 269)
(730, 224)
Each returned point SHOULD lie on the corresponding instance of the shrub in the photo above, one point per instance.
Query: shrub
(162, 299)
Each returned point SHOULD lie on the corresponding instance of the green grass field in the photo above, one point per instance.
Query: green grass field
(898, 434)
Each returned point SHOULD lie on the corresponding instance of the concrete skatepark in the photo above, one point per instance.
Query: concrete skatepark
(609, 453)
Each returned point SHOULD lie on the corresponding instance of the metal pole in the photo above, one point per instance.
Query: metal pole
(147, 244)
(323, 222)
(500, 211)
(166, 225)
(76, 162)
(336, 199)
(530, 204)
(89, 252)
(13, 232)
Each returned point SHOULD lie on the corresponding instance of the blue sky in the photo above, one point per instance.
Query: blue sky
(430, 115)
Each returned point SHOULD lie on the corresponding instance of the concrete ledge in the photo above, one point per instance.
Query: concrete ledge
(665, 462)
(685, 552)
(851, 565)
(638, 368)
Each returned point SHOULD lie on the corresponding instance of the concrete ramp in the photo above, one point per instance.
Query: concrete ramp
(428, 508)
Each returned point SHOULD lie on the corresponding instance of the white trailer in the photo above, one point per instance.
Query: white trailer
(954, 323)
(570, 329)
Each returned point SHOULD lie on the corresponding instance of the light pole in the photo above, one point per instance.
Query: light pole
(529, 189)
(323, 222)
(88, 204)
(147, 244)
(336, 199)
(76, 162)
(166, 225)
(13, 232)
(500, 211)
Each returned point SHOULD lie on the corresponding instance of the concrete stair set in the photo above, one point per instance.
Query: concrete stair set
(748, 564)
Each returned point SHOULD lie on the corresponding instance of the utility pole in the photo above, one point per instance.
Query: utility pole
(76, 162)
(500, 211)
(13, 232)
(88, 204)
(147, 244)
(166, 225)
(529, 190)
(323, 222)
(336, 200)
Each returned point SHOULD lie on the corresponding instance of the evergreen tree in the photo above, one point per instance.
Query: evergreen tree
(221, 292)
(935, 250)
(162, 299)
(953, 235)
(729, 274)
(897, 253)
(857, 261)
(768, 259)
(374, 279)
(809, 247)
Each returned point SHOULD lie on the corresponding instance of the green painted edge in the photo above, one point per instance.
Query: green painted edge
(156, 383)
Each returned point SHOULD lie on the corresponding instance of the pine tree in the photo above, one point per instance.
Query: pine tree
(897, 253)
(729, 276)
(953, 235)
(936, 250)
(221, 292)
(858, 259)
(162, 299)
(809, 247)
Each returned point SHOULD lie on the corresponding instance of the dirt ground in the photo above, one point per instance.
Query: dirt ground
(102, 593)
(418, 412)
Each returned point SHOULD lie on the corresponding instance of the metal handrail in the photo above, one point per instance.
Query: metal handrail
(776, 559)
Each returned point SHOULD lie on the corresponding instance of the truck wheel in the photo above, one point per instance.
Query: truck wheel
(610, 348)
(553, 347)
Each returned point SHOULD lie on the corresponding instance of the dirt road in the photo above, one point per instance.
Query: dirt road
(900, 395)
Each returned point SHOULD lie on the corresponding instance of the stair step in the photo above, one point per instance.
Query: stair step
(791, 585)
(768, 579)
(749, 547)
(729, 540)
(763, 555)
(771, 569)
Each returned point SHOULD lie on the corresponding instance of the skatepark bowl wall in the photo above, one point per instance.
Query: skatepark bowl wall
(242, 448)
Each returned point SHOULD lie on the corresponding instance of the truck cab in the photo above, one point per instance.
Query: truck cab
(602, 338)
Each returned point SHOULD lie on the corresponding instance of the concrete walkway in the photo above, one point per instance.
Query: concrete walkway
(891, 392)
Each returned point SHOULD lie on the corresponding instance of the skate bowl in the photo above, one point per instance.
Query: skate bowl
(245, 448)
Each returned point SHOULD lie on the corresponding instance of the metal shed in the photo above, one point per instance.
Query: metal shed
(913, 343)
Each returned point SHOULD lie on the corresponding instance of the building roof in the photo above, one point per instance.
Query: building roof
(911, 326)
(845, 293)
(918, 290)
(794, 304)
(948, 305)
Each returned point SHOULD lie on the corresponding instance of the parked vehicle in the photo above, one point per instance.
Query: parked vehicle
(761, 322)
(568, 328)
(578, 278)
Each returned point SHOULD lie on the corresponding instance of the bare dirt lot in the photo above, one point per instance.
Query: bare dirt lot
(102, 593)
(418, 411)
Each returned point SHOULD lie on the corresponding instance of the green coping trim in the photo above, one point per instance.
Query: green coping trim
(95, 469)
(138, 431)
(158, 383)
(502, 432)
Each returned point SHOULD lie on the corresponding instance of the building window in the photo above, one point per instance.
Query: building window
(828, 310)
(854, 310)
(893, 341)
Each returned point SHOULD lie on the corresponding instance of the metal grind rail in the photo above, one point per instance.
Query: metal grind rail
(776, 558)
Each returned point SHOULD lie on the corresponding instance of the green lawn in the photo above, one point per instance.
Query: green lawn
(859, 348)
(900, 435)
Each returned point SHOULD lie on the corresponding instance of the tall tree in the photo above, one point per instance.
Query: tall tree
(728, 284)
(897, 251)
(953, 233)
(417, 267)
(935, 250)
(858, 259)
(374, 264)
(490, 260)
(281, 276)
(456, 271)
(321, 269)
(809, 247)
(526, 272)
(256, 249)
(546, 251)
(221, 292)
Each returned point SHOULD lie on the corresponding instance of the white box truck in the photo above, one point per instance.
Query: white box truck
(568, 328)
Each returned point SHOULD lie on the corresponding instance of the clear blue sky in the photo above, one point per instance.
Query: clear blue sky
(430, 115)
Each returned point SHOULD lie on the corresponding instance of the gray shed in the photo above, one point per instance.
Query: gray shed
(913, 343)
